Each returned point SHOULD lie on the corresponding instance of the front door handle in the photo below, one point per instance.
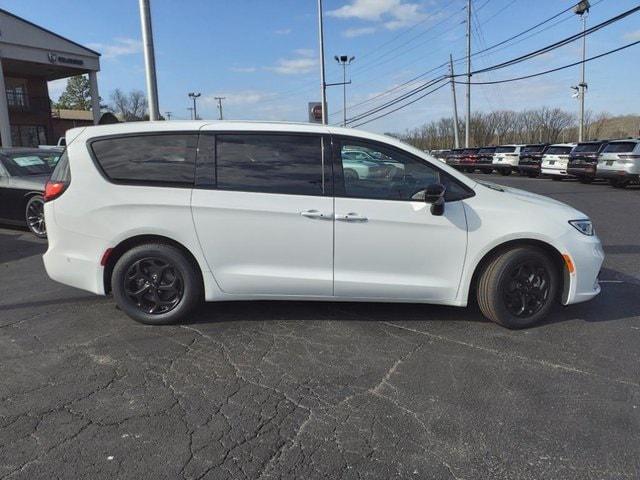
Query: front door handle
(315, 214)
(351, 217)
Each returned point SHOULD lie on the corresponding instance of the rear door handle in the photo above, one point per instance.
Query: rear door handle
(351, 217)
(316, 215)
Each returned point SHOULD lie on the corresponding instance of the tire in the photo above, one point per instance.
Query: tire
(34, 216)
(532, 175)
(505, 172)
(487, 172)
(586, 180)
(499, 284)
(169, 281)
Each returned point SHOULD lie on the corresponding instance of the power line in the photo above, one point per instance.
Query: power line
(402, 106)
(504, 65)
(552, 70)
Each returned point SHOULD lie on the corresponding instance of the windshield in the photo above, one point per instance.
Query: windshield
(620, 147)
(505, 149)
(26, 164)
(559, 150)
(587, 148)
(485, 151)
(533, 149)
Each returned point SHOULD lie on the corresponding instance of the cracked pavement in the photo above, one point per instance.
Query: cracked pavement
(323, 390)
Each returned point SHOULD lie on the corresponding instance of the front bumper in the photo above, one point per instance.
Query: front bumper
(586, 255)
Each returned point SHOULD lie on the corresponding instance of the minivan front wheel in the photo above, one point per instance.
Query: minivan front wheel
(156, 284)
(519, 287)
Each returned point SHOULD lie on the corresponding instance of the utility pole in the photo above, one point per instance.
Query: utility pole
(168, 115)
(219, 99)
(455, 103)
(190, 109)
(323, 85)
(344, 60)
(149, 59)
(467, 123)
(582, 9)
(194, 97)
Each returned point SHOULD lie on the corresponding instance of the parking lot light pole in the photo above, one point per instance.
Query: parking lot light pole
(149, 59)
(582, 9)
(323, 85)
(194, 97)
(344, 60)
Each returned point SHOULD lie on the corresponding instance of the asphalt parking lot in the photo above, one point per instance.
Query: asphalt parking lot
(320, 390)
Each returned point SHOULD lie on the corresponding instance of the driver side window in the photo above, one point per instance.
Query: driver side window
(371, 170)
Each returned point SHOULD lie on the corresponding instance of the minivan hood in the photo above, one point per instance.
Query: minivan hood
(536, 199)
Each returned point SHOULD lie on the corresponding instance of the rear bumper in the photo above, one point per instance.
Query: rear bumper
(554, 171)
(76, 262)
(617, 174)
(529, 168)
(586, 171)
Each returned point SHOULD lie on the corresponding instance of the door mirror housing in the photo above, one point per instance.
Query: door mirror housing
(434, 194)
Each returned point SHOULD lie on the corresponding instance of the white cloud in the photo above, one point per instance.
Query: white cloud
(632, 36)
(120, 46)
(394, 13)
(304, 63)
(283, 31)
(243, 69)
(357, 32)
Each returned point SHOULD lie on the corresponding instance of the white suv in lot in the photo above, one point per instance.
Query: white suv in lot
(619, 162)
(555, 160)
(165, 214)
(506, 158)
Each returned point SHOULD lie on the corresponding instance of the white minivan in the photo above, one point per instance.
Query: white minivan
(163, 215)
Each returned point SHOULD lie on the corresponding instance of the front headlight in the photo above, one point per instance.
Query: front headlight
(584, 226)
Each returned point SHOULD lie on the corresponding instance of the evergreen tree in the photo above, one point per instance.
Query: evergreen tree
(76, 96)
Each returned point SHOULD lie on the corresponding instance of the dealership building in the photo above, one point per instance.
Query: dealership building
(31, 56)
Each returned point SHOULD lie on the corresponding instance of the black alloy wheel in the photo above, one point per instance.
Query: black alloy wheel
(154, 285)
(526, 288)
(34, 216)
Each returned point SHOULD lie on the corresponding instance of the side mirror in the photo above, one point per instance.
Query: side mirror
(434, 194)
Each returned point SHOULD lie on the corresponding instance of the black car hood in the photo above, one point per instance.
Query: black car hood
(30, 182)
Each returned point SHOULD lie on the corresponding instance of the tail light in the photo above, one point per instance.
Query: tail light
(629, 156)
(53, 190)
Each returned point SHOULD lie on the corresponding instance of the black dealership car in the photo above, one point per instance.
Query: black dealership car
(530, 160)
(583, 160)
(23, 174)
(484, 163)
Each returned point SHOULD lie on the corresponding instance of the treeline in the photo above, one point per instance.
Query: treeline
(549, 125)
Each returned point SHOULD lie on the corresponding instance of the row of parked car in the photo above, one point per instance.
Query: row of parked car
(617, 161)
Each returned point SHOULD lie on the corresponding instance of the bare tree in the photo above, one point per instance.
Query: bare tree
(130, 107)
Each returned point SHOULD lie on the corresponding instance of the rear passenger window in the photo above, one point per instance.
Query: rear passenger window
(166, 159)
(268, 163)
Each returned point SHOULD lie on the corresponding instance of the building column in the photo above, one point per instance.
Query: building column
(5, 127)
(95, 97)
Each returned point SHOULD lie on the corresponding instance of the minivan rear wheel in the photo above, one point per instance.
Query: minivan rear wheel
(156, 284)
(519, 287)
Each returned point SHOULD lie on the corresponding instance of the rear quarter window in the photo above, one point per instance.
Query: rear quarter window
(164, 159)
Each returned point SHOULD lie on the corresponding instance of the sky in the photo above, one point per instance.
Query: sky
(262, 55)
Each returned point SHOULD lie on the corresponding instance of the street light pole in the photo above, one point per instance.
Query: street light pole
(455, 104)
(194, 96)
(149, 59)
(323, 85)
(219, 99)
(467, 128)
(344, 60)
